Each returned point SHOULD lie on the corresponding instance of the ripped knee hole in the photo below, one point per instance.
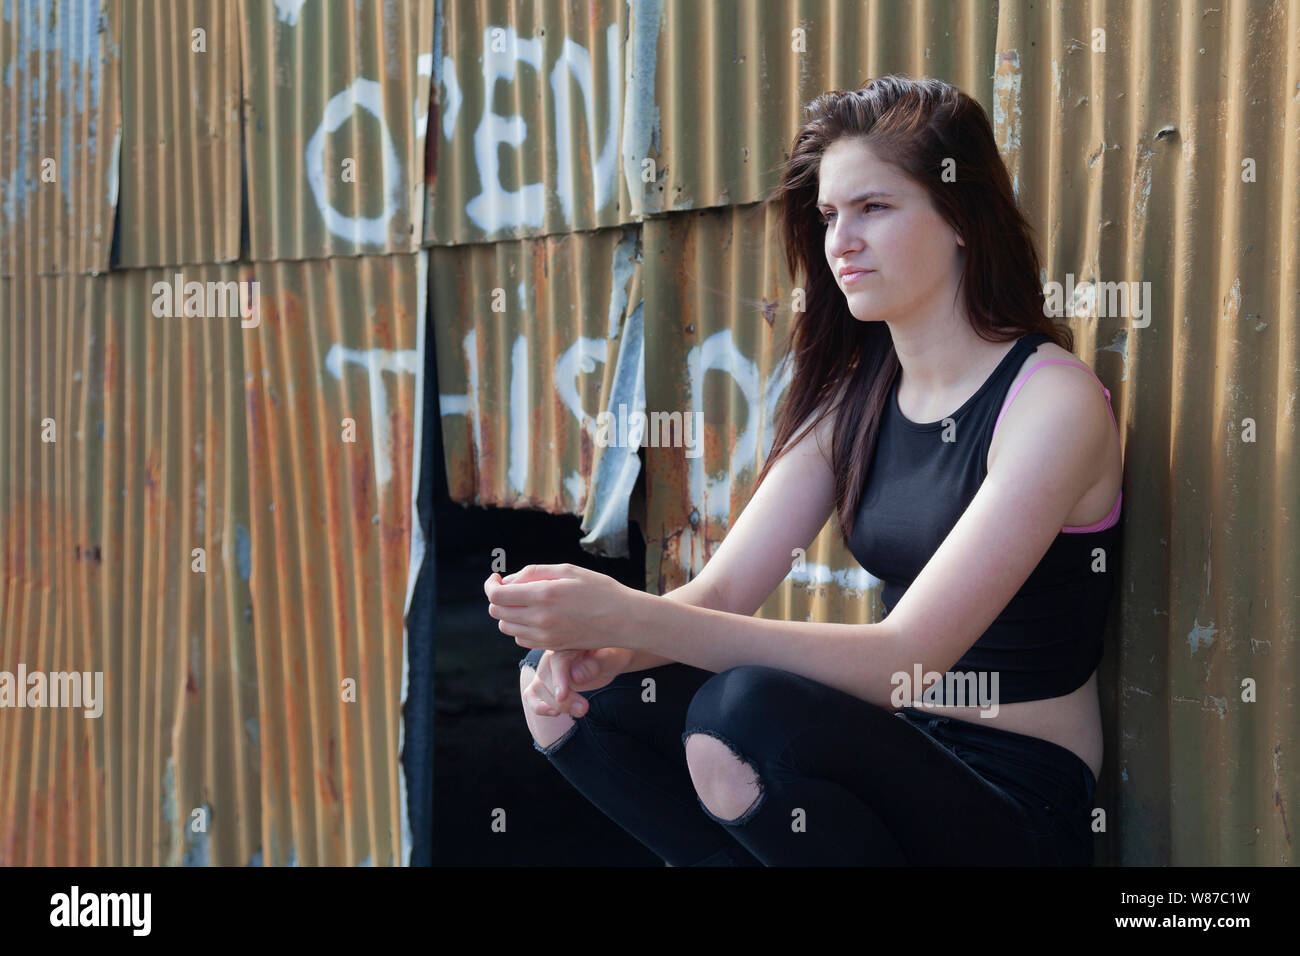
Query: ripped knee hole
(728, 785)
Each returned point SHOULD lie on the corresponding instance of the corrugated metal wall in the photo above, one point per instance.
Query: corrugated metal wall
(337, 100)
(532, 106)
(60, 129)
(1128, 163)
(252, 692)
(180, 190)
(590, 187)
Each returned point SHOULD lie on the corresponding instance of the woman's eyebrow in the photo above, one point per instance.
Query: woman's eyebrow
(870, 194)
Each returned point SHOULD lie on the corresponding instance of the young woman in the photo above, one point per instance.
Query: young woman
(974, 466)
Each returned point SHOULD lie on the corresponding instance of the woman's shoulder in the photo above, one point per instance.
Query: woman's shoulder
(1055, 379)
(1048, 352)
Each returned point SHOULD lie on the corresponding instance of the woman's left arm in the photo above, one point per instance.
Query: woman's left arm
(859, 659)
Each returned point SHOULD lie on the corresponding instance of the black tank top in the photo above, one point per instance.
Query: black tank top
(1048, 639)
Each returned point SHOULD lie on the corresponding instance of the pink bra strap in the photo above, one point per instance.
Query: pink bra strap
(1020, 385)
(1101, 525)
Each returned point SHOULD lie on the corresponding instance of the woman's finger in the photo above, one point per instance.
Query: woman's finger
(541, 694)
(555, 665)
(542, 680)
(514, 614)
(561, 669)
(528, 637)
(534, 699)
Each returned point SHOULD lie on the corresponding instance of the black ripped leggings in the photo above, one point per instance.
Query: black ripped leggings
(842, 782)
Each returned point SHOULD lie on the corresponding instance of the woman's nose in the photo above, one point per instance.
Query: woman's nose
(841, 240)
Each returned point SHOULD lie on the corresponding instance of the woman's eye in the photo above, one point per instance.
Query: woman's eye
(825, 218)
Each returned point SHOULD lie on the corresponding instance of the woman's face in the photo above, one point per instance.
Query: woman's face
(877, 219)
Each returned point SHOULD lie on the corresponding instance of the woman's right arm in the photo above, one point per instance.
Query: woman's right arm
(785, 513)
(695, 592)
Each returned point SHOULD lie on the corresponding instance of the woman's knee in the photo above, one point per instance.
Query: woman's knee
(740, 704)
(728, 731)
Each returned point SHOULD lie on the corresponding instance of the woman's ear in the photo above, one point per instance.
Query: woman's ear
(961, 242)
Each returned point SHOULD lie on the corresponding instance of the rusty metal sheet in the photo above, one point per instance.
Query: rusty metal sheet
(566, 116)
(180, 171)
(335, 162)
(730, 81)
(60, 135)
(535, 340)
(98, 525)
(530, 119)
(284, 451)
(330, 386)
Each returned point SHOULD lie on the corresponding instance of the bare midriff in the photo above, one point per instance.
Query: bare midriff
(1072, 721)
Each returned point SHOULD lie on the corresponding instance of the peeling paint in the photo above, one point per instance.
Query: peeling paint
(1232, 302)
(66, 68)
(1278, 802)
(1141, 190)
(1201, 635)
(1006, 113)
(641, 121)
(243, 552)
(168, 807)
(1119, 344)
(286, 11)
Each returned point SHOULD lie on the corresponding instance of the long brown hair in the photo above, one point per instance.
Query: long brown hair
(842, 363)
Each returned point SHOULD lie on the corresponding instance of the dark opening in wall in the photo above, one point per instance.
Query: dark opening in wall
(467, 749)
(483, 753)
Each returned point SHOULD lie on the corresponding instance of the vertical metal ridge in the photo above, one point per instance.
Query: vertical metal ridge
(180, 187)
(351, 99)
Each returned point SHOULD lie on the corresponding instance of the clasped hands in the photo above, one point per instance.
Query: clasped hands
(577, 616)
